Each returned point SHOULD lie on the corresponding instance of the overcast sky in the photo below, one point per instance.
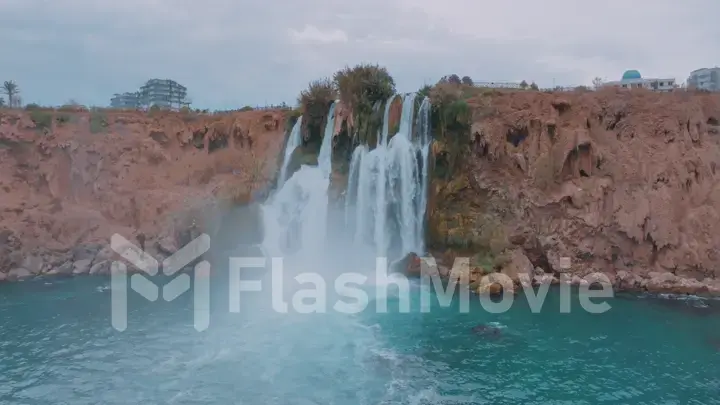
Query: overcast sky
(230, 53)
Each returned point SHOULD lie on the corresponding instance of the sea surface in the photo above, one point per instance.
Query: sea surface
(58, 346)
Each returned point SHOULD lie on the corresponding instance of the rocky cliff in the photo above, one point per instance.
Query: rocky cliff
(620, 182)
(71, 179)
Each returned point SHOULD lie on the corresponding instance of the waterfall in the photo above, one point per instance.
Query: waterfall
(389, 186)
(296, 216)
(325, 156)
(385, 202)
(378, 157)
(294, 140)
(351, 196)
(423, 142)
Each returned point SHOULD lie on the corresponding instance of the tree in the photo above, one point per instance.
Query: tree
(11, 89)
(467, 80)
(360, 87)
(2, 102)
(454, 79)
(523, 85)
(534, 86)
(597, 83)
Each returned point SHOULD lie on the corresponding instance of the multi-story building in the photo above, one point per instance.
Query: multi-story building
(164, 93)
(125, 100)
(705, 79)
(632, 79)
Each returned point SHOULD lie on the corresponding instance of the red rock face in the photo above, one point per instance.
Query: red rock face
(618, 181)
(77, 182)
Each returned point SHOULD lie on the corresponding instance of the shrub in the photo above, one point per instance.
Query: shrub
(42, 119)
(523, 85)
(534, 86)
(451, 118)
(32, 106)
(314, 102)
(362, 86)
(451, 79)
(424, 91)
(316, 99)
(62, 119)
(98, 123)
(466, 80)
(247, 108)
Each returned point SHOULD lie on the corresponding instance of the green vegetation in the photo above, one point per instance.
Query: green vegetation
(292, 118)
(42, 119)
(363, 89)
(62, 118)
(314, 102)
(11, 89)
(362, 86)
(424, 91)
(451, 119)
(98, 122)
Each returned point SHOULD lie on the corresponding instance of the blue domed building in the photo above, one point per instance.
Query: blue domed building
(632, 79)
(631, 74)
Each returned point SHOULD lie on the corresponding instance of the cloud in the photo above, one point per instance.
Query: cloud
(230, 53)
(311, 34)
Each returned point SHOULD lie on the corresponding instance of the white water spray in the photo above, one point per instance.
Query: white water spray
(385, 200)
(325, 156)
(389, 187)
(294, 140)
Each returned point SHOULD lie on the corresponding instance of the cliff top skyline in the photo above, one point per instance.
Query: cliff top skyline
(239, 53)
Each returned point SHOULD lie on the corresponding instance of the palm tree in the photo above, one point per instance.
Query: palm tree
(11, 89)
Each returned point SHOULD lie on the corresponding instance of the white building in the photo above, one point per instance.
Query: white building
(631, 79)
(705, 79)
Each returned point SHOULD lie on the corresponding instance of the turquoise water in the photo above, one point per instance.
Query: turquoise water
(58, 347)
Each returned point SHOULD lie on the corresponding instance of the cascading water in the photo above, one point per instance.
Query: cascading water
(385, 201)
(325, 155)
(423, 141)
(293, 142)
(297, 212)
(387, 187)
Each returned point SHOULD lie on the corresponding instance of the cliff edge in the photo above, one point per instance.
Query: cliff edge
(619, 182)
(71, 179)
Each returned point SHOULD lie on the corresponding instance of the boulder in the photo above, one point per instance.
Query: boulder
(84, 252)
(545, 279)
(411, 265)
(82, 266)
(494, 284)
(102, 267)
(166, 245)
(65, 268)
(34, 264)
(658, 282)
(19, 273)
(106, 253)
(518, 265)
